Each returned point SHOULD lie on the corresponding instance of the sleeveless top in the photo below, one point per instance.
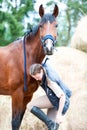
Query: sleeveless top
(53, 75)
(52, 96)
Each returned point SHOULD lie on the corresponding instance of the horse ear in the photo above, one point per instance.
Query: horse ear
(56, 11)
(41, 10)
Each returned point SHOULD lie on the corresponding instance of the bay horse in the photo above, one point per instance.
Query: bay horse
(37, 43)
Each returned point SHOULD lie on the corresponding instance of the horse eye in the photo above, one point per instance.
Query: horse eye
(41, 26)
(56, 25)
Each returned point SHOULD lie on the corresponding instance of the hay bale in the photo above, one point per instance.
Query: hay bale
(5, 113)
(79, 39)
(78, 111)
(71, 65)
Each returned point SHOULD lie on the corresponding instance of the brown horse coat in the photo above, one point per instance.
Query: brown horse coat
(12, 63)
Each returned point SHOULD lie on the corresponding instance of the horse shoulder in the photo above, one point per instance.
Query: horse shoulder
(11, 65)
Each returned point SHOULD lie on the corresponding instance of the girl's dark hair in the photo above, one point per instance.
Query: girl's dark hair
(35, 68)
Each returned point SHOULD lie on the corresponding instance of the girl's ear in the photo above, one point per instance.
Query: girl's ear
(41, 71)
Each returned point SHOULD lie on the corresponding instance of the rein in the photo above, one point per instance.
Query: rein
(25, 75)
(24, 49)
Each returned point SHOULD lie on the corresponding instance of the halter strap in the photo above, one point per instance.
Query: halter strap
(25, 75)
(48, 37)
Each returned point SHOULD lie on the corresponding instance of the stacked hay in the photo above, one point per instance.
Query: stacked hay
(79, 39)
(71, 65)
(5, 113)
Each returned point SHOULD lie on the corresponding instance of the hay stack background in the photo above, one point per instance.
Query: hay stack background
(79, 39)
(71, 64)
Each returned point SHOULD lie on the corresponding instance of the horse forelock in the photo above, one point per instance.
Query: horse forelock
(47, 17)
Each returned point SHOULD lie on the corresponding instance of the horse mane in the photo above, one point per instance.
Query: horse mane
(32, 31)
(47, 17)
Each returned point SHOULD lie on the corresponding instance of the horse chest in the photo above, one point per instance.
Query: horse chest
(32, 85)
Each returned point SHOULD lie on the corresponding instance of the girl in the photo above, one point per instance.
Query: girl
(56, 99)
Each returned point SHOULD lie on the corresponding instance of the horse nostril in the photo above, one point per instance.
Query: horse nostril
(49, 51)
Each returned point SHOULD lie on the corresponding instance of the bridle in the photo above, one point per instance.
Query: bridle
(46, 37)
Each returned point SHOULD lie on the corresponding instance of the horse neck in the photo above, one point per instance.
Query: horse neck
(34, 49)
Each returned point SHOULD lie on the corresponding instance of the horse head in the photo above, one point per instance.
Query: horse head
(48, 29)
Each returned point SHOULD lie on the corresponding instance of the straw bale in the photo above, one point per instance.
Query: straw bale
(79, 38)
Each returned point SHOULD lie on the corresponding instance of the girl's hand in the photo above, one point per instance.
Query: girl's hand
(59, 118)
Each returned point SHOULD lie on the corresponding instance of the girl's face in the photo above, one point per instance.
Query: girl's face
(38, 76)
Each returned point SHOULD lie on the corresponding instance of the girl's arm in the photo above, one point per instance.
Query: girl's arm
(59, 118)
(60, 94)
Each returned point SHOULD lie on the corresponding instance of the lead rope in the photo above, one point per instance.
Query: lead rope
(25, 75)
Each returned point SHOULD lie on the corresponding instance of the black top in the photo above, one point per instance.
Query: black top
(52, 96)
(49, 92)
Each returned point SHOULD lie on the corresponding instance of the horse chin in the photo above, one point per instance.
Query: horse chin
(49, 52)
